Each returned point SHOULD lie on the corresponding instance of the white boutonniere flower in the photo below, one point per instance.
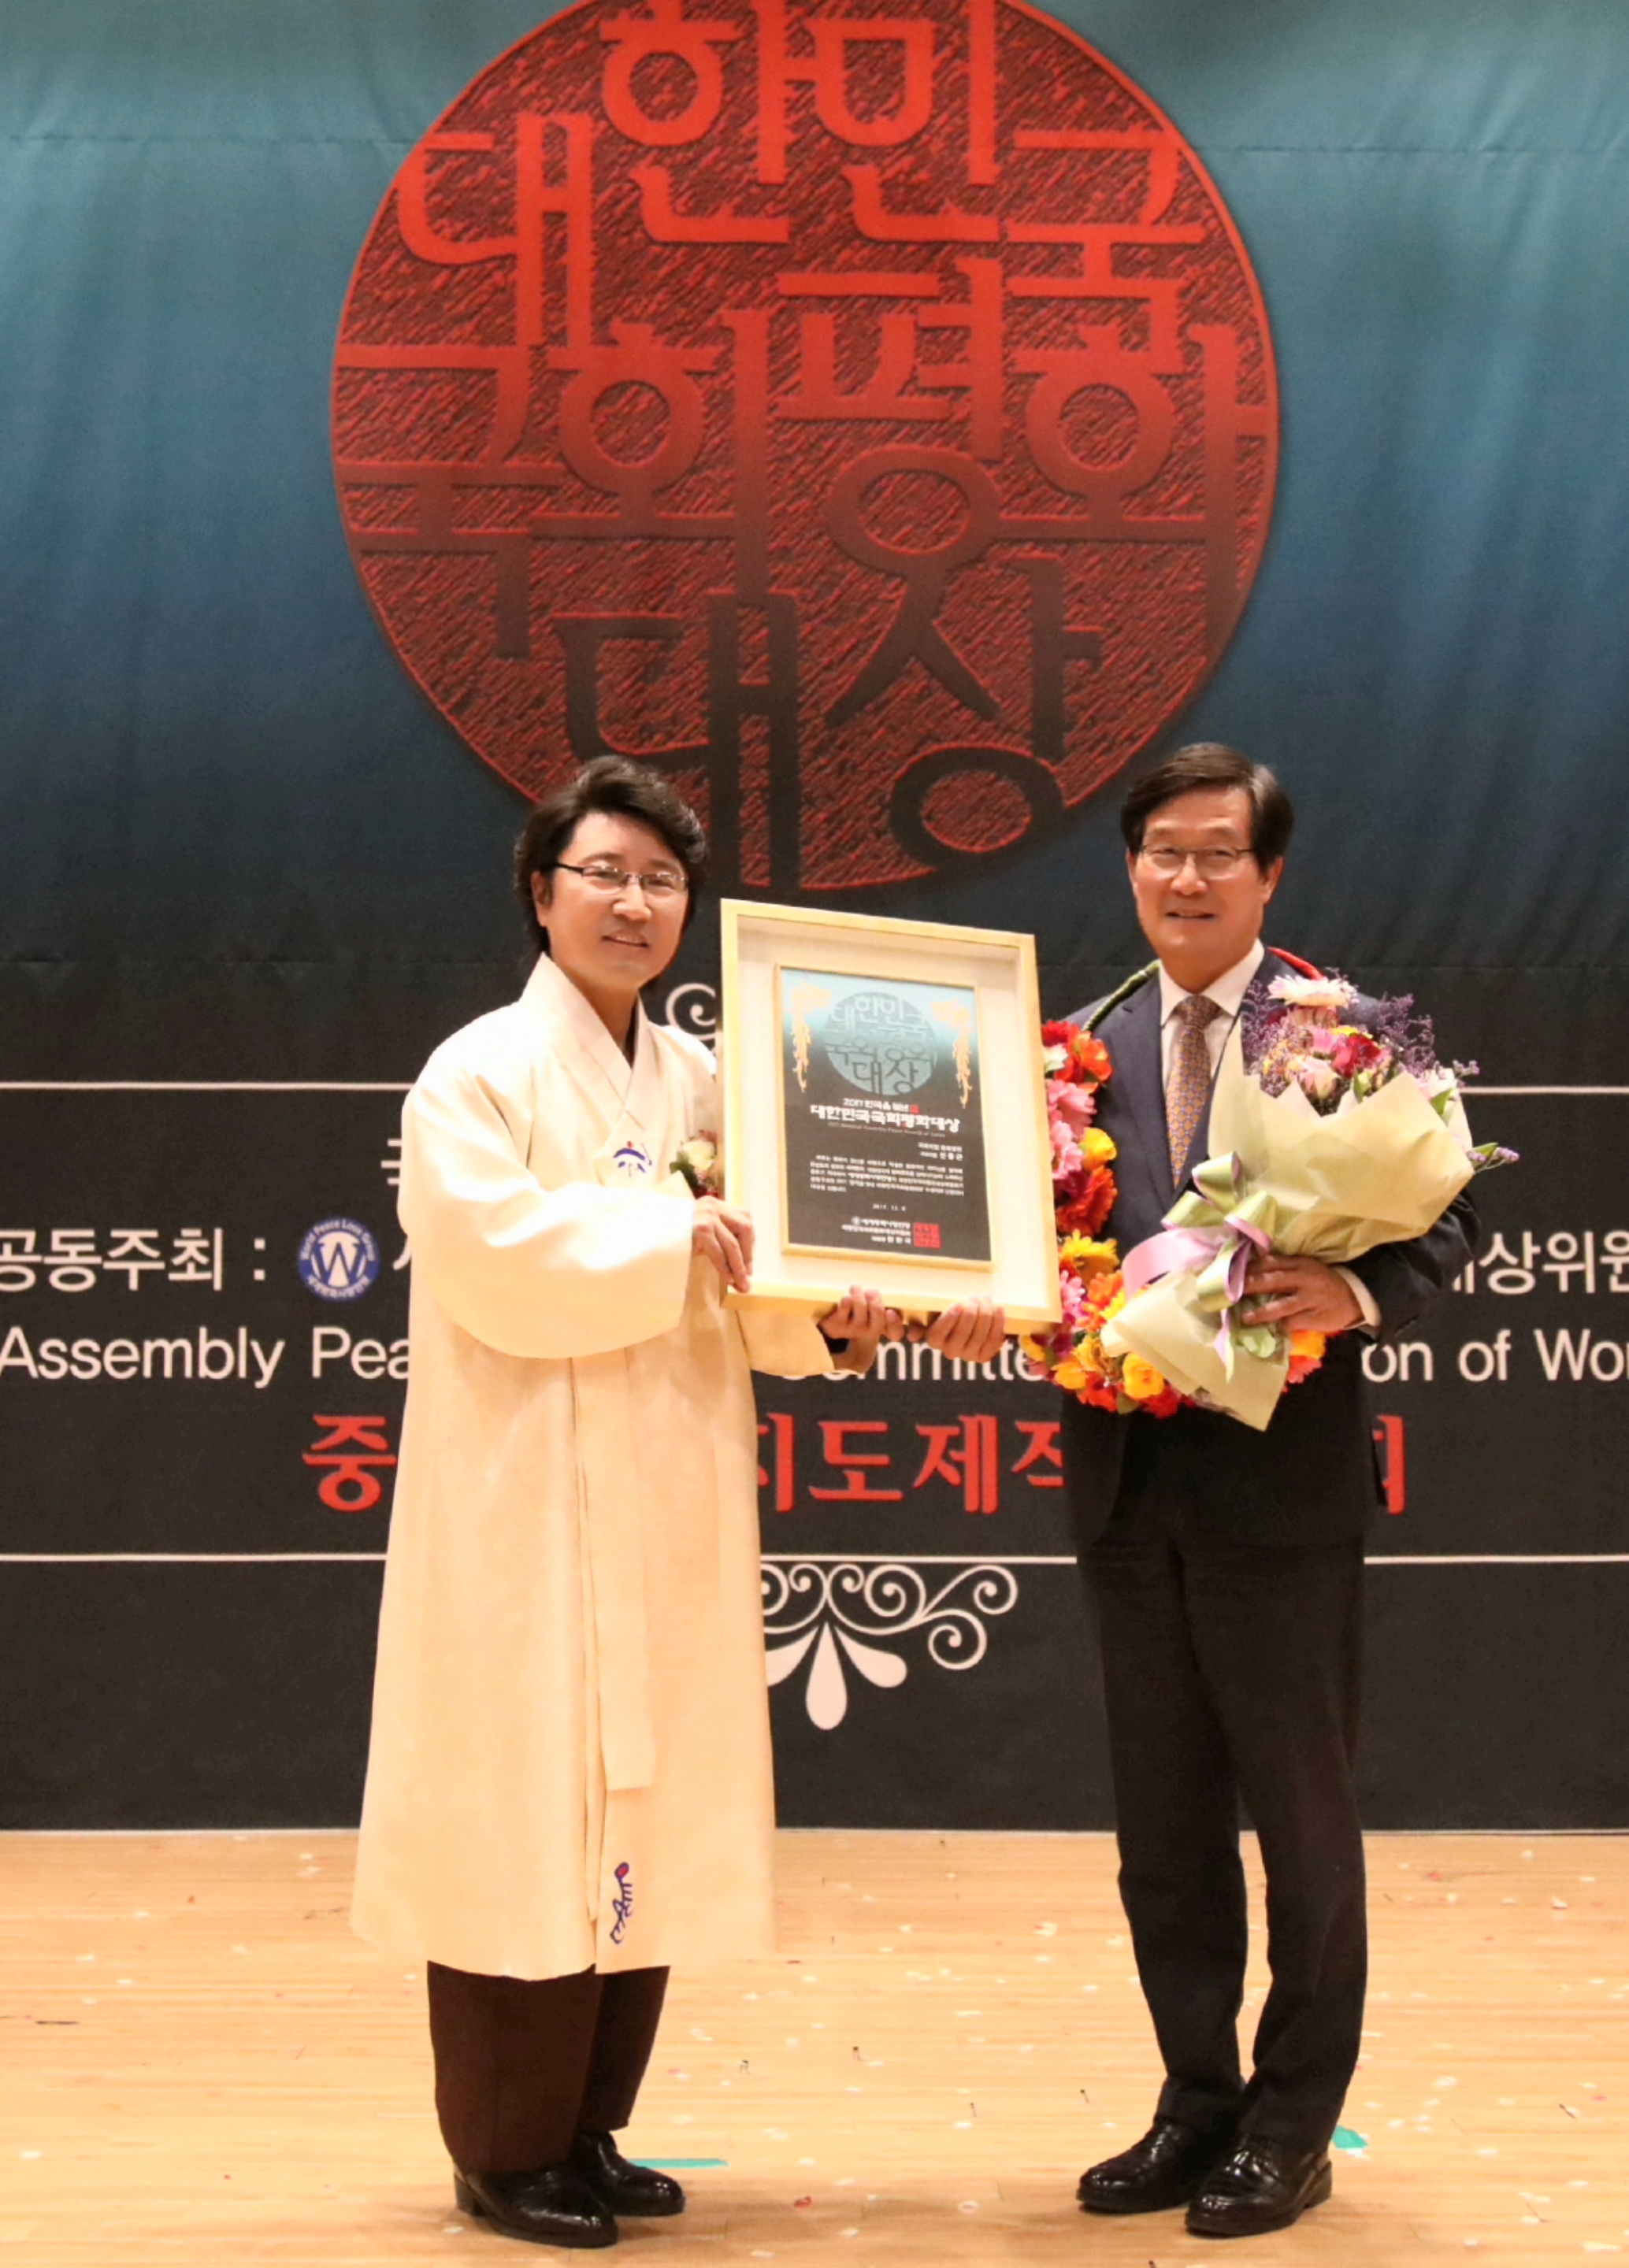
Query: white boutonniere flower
(697, 1160)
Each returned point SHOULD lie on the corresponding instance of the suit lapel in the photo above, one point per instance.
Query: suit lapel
(1135, 1050)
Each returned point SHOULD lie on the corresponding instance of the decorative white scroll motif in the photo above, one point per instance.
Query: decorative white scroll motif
(824, 1612)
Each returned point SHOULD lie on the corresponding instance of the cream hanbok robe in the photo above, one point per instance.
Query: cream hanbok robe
(569, 1763)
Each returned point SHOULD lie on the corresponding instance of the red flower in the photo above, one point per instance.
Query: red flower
(1087, 1061)
(1356, 1051)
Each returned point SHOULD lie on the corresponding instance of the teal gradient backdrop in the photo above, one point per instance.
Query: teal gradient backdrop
(225, 802)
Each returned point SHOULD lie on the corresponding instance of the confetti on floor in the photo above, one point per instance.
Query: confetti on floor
(308, 2052)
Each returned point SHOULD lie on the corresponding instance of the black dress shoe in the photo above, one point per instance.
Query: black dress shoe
(551, 2206)
(1263, 2185)
(639, 2192)
(1161, 2171)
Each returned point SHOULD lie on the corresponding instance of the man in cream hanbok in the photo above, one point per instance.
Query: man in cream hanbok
(569, 1784)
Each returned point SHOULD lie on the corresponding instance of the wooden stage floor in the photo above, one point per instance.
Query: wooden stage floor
(201, 2065)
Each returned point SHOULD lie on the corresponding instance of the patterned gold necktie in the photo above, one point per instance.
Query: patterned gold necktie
(1188, 1086)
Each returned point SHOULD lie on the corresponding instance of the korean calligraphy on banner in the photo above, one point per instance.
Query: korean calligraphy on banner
(869, 416)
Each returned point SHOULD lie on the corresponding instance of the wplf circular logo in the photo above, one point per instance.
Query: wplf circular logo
(869, 418)
(880, 1043)
(338, 1259)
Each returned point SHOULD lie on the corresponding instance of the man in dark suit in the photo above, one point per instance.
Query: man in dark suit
(1226, 1570)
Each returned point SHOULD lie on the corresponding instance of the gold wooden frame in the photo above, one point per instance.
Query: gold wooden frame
(758, 941)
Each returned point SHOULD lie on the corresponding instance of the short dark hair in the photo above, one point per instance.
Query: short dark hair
(1209, 764)
(627, 789)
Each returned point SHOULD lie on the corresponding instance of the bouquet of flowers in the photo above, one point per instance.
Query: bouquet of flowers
(1330, 1137)
(1294, 1036)
(1074, 1354)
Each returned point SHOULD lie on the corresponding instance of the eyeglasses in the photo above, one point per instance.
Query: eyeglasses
(664, 883)
(1214, 863)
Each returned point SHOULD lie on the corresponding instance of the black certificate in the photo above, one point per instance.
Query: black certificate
(883, 1109)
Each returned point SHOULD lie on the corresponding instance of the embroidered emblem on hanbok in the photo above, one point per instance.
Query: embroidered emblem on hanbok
(622, 1904)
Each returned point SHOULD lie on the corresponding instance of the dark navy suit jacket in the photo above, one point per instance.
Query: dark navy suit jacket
(1312, 1477)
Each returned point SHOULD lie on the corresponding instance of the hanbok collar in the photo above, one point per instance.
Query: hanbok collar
(625, 1087)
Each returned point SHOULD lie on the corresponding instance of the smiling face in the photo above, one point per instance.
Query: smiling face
(1200, 926)
(609, 943)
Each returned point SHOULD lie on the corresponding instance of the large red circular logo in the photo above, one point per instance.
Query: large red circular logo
(870, 418)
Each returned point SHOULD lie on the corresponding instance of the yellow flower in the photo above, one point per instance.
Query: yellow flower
(1097, 1148)
(1071, 1375)
(1115, 1306)
(1090, 1257)
(1141, 1380)
(1308, 1344)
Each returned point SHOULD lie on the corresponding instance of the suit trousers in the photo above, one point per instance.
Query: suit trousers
(523, 2066)
(1232, 1670)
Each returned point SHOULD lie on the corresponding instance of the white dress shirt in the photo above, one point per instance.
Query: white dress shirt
(1228, 993)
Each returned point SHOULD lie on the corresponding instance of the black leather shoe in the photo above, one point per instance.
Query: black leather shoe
(1161, 2171)
(551, 2206)
(639, 2192)
(1262, 2186)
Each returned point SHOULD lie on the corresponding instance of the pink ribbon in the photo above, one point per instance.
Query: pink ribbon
(1173, 1249)
(1162, 1255)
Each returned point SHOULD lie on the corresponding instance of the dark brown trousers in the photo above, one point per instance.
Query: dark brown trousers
(523, 2067)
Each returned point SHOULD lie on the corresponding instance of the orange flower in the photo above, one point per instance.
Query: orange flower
(1085, 1214)
(1141, 1380)
(1305, 1356)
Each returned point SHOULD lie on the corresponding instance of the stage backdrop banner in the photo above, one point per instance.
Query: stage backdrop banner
(897, 427)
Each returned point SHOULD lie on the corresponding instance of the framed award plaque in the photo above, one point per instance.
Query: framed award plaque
(884, 1111)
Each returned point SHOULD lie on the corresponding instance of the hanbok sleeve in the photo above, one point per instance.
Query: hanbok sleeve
(780, 1342)
(784, 1344)
(577, 1270)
